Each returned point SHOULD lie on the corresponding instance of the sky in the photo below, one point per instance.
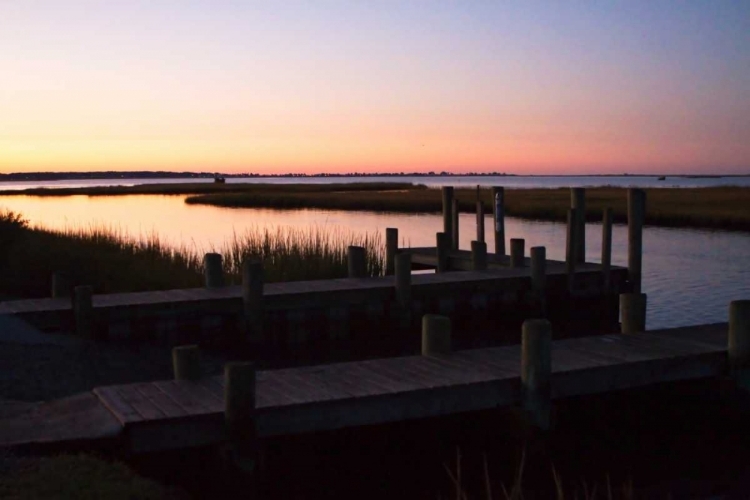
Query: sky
(378, 86)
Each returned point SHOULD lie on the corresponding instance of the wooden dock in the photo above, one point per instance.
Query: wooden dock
(179, 414)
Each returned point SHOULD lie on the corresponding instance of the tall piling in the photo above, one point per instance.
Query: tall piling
(391, 249)
(498, 200)
(570, 240)
(357, 265)
(536, 371)
(252, 299)
(436, 334)
(443, 252)
(455, 241)
(633, 312)
(539, 276)
(517, 252)
(239, 406)
(480, 216)
(213, 271)
(607, 250)
(448, 211)
(186, 362)
(578, 202)
(636, 218)
(403, 280)
(478, 255)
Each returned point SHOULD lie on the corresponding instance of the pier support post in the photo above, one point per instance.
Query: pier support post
(356, 262)
(517, 252)
(636, 218)
(570, 261)
(606, 250)
(239, 412)
(480, 217)
(391, 249)
(60, 285)
(186, 362)
(448, 211)
(578, 201)
(498, 200)
(536, 369)
(83, 310)
(738, 351)
(539, 276)
(633, 311)
(213, 271)
(443, 252)
(403, 280)
(436, 334)
(252, 299)
(478, 255)
(455, 242)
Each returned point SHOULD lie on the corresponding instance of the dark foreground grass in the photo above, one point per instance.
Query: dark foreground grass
(711, 208)
(115, 262)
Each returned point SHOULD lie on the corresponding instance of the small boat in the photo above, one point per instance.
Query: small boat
(662, 178)
(219, 180)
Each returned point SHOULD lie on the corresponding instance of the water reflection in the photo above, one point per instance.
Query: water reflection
(690, 275)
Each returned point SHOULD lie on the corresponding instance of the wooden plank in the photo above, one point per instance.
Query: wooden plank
(120, 408)
(349, 383)
(309, 384)
(160, 400)
(184, 399)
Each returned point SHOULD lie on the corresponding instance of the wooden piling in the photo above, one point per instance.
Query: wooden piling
(607, 250)
(83, 310)
(539, 275)
(636, 218)
(498, 200)
(443, 252)
(478, 255)
(570, 262)
(480, 216)
(536, 369)
(391, 249)
(455, 242)
(738, 352)
(517, 252)
(448, 211)
(239, 402)
(633, 312)
(356, 262)
(186, 362)
(213, 271)
(578, 201)
(436, 334)
(252, 299)
(403, 280)
(60, 285)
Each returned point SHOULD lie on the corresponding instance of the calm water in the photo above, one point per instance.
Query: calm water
(690, 275)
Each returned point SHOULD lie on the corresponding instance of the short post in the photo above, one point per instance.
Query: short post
(536, 369)
(739, 342)
(633, 312)
(403, 280)
(636, 218)
(436, 334)
(186, 362)
(443, 252)
(83, 310)
(252, 298)
(213, 271)
(60, 285)
(539, 275)
(448, 211)
(391, 249)
(239, 401)
(498, 199)
(356, 262)
(480, 217)
(570, 262)
(454, 234)
(517, 252)
(478, 255)
(578, 201)
(606, 249)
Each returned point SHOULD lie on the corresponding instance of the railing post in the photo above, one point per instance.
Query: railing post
(436, 334)
(403, 280)
(443, 252)
(636, 218)
(578, 201)
(83, 311)
(455, 242)
(391, 249)
(480, 216)
(738, 351)
(536, 370)
(478, 255)
(252, 299)
(356, 262)
(239, 410)
(517, 252)
(213, 272)
(607, 250)
(633, 312)
(498, 200)
(186, 362)
(539, 275)
(570, 261)
(448, 211)
(60, 285)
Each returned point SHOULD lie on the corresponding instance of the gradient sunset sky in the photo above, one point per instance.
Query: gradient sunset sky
(320, 86)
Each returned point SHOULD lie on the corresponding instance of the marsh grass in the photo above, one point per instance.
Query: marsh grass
(712, 208)
(113, 261)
